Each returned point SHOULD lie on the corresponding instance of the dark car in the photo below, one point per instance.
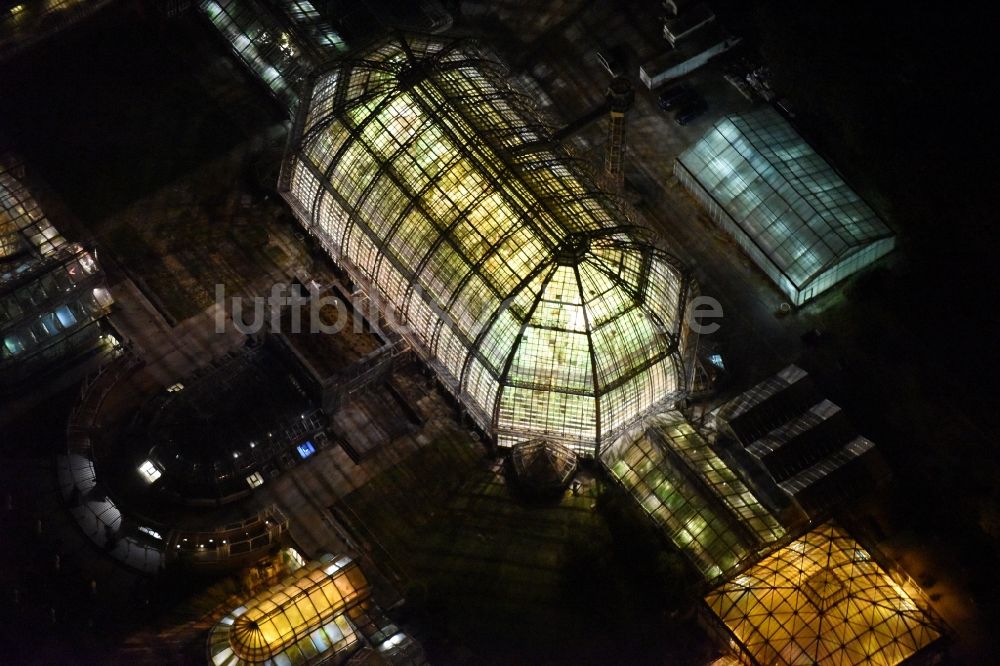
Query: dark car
(674, 97)
(691, 111)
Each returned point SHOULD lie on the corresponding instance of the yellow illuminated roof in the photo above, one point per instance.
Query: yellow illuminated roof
(823, 600)
(529, 291)
(295, 621)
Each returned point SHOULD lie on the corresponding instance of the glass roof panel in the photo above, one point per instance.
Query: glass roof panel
(703, 506)
(785, 197)
(279, 623)
(824, 599)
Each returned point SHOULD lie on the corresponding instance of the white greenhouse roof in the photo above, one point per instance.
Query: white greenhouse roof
(789, 201)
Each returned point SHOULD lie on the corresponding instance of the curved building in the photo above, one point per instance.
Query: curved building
(529, 291)
(302, 620)
(785, 206)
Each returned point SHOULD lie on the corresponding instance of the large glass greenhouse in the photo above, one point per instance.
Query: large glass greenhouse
(784, 204)
(527, 289)
(823, 599)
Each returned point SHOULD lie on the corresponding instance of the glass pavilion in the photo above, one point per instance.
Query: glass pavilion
(527, 289)
(823, 599)
(301, 620)
(24, 229)
(783, 203)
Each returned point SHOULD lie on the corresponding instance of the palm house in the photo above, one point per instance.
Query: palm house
(529, 291)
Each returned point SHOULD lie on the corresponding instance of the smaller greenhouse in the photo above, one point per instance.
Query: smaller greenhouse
(823, 599)
(26, 235)
(24, 23)
(280, 41)
(301, 620)
(783, 203)
(52, 292)
(702, 505)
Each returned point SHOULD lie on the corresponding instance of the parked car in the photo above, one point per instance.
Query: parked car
(691, 111)
(614, 60)
(675, 96)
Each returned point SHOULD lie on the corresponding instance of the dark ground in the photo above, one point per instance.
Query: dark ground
(106, 113)
(494, 577)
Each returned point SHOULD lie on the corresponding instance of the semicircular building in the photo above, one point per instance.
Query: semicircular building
(529, 291)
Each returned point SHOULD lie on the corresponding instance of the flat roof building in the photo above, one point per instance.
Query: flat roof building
(783, 203)
(528, 290)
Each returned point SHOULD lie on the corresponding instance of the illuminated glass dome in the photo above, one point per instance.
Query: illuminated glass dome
(527, 289)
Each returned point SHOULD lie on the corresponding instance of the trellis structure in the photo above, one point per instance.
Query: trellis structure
(527, 289)
(823, 599)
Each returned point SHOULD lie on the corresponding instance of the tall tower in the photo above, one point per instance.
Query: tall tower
(620, 98)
